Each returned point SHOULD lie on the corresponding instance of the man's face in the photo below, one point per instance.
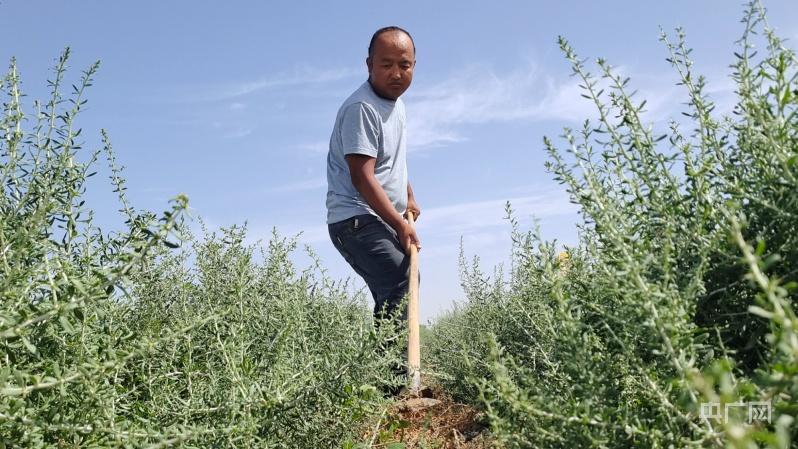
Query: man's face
(391, 64)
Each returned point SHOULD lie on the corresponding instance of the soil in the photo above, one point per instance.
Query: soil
(430, 420)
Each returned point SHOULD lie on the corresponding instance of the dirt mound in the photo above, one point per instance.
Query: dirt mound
(435, 421)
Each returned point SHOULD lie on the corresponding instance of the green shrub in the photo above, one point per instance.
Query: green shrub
(120, 340)
(662, 306)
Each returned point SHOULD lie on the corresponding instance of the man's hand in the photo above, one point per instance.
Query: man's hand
(411, 202)
(361, 169)
(407, 236)
(412, 206)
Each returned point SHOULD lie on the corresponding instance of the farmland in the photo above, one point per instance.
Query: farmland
(680, 293)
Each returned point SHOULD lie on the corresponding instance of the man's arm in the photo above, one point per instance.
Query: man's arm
(411, 202)
(361, 169)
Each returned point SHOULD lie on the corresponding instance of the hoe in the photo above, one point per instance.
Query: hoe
(413, 347)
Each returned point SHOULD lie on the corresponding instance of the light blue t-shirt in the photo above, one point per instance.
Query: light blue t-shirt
(367, 124)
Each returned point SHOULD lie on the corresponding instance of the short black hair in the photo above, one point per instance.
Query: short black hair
(385, 30)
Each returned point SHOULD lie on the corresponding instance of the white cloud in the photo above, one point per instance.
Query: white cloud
(722, 92)
(299, 79)
(440, 113)
(309, 184)
(466, 217)
(482, 224)
(300, 76)
(320, 146)
(231, 131)
(470, 219)
(666, 101)
(238, 133)
(477, 94)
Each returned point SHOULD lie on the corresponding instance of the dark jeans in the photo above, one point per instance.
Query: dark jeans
(372, 248)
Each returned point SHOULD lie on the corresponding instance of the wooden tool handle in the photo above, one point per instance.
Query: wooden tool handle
(413, 339)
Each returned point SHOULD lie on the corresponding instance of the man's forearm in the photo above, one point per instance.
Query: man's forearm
(375, 196)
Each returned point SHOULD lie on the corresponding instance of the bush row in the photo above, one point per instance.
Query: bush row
(119, 339)
(681, 289)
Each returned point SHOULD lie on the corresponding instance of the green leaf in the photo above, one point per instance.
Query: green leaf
(756, 310)
(28, 345)
(68, 328)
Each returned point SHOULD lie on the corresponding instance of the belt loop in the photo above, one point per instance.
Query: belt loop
(356, 222)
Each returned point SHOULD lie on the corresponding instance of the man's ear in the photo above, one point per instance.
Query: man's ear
(368, 63)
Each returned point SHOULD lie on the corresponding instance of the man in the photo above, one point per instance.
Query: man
(368, 191)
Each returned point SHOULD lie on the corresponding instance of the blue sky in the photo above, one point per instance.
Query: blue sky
(233, 102)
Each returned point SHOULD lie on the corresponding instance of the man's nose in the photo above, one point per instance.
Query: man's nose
(396, 74)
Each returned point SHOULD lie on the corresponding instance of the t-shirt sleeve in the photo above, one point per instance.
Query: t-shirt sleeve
(360, 131)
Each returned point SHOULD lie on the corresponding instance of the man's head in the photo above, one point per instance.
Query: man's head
(391, 60)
